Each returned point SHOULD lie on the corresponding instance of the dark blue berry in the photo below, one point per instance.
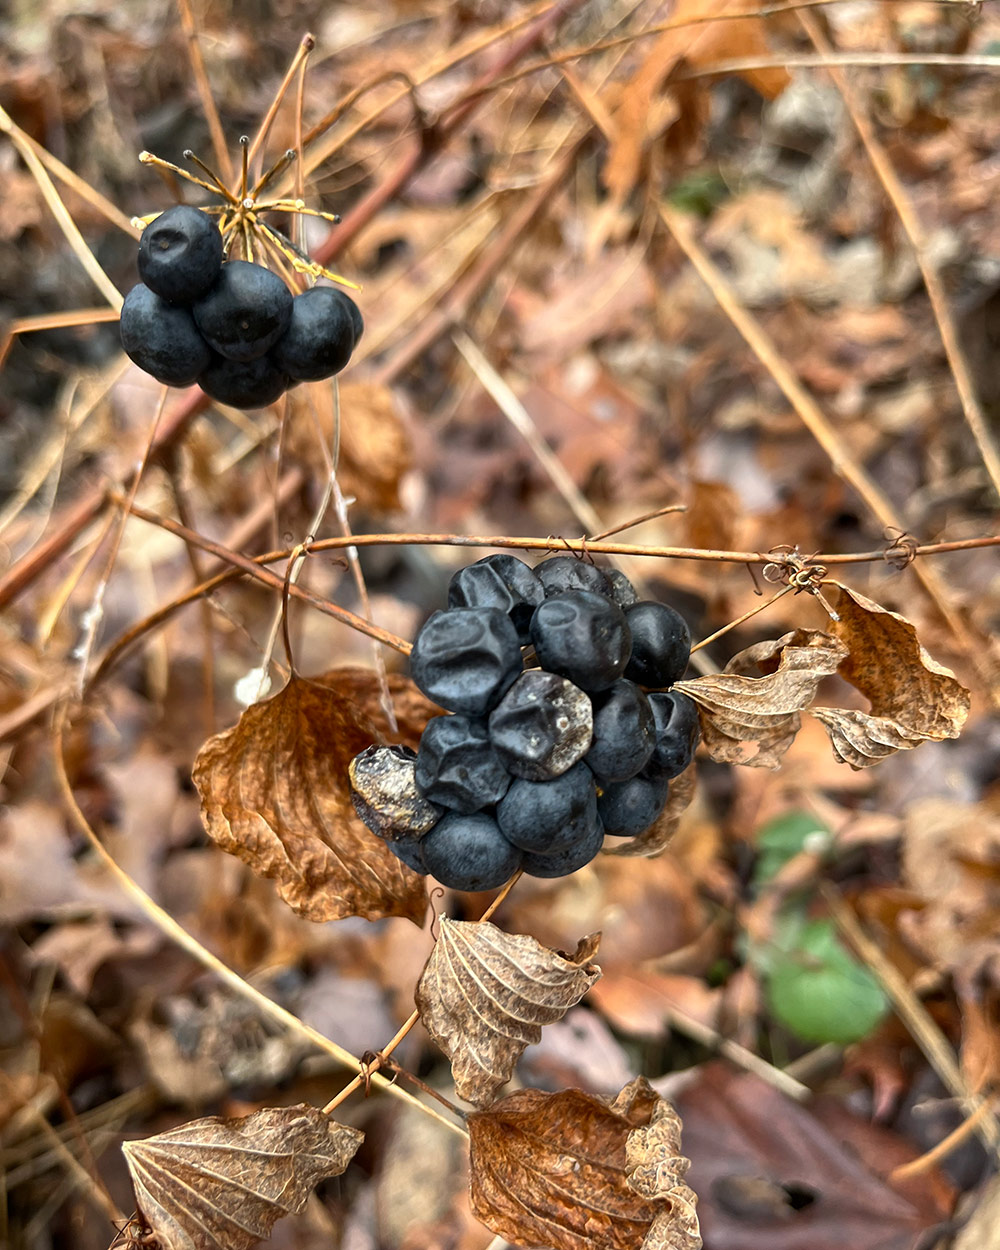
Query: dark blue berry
(410, 853)
(542, 726)
(469, 852)
(243, 384)
(661, 644)
(561, 573)
(321, 335)
(622, 590)
(627, 808)
(677, 732)
(562, 863)
(162, 338)
(547, 817)
(245, 312)
(623, 732)
(180, 254)
(465, 658)
(583, 636)
(499, 581)
(457, 766)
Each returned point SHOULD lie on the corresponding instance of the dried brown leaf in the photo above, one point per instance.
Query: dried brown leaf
(655, 839)
(485, 994)
(216, 1184)
(736, 708)
(274, 792)
(565, 1171)
(913, 698)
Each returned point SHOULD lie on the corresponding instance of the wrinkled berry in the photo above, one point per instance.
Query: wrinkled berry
(499, 581)
(457, 766)
(561, 573)
(542, 726)
(583, 636)
(180, 254)
(385, 795)
(677, 732)
(623, 732)
(661, 644)
(465, 658)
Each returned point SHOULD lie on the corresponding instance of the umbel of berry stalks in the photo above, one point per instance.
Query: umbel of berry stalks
(232, 325)
(561, 727)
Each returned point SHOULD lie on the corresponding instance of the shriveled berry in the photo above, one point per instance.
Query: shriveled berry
(499, 581)
(180, 254)
(243, 384)
(548, 817)
(623, 732)
(321, 335)
(661, 644)
(457, 766)
(583, 636)
(465, 658)
(542, 726)
(245, 312)
(562, 863)
(162, 338)
(677, 732)
(627, 808)
(385, 795)
(469, 852)
(560, 573)
(622, 590)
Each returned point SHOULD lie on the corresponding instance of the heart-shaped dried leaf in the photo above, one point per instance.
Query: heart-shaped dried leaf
(218, 1184)
(913, 698)
(565, 1171)
(485, 994)
(654, 839)
(274, 791)
(736, 708)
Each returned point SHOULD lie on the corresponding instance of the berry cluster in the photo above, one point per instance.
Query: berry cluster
(230, 325)
(535, 765)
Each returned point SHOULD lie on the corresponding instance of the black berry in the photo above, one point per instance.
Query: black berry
(457, 766)
(410, 853)
(469, 852)
(180, 254)
(465, 658)
(321, 335)
(549, 817)
(583, 636)
(162, 338)
(623, 732)
(677, 732)
(245, 312)
(499, 581)
(542, 726)
(622, 590)
(661, 644)
(627, 808)
(562, 573)
(249, 384)
(561, 863)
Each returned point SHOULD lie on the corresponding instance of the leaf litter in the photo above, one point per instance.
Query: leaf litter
(637, 380)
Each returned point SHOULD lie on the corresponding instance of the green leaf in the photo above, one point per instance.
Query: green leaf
(821, 992)
(783, 838)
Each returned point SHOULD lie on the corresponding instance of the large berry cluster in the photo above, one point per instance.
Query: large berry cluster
(232, 326)
(535, 765)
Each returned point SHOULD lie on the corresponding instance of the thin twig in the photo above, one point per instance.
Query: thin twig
(223, 161)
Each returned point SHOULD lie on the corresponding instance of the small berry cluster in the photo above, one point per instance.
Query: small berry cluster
(231, 326)
(535, 765)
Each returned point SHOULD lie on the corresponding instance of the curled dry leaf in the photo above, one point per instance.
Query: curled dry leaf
(736, 708)
(216, 1184)
(655, 839)
(274, 791)
(566, 1171)
(912, 697)
(485, 994)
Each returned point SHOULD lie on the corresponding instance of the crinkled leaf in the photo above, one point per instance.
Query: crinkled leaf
(218, 1184)
(655, 839)
(564, 1171)
(736, 708)
(912, 697)
(274, 791)
(485, 994)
